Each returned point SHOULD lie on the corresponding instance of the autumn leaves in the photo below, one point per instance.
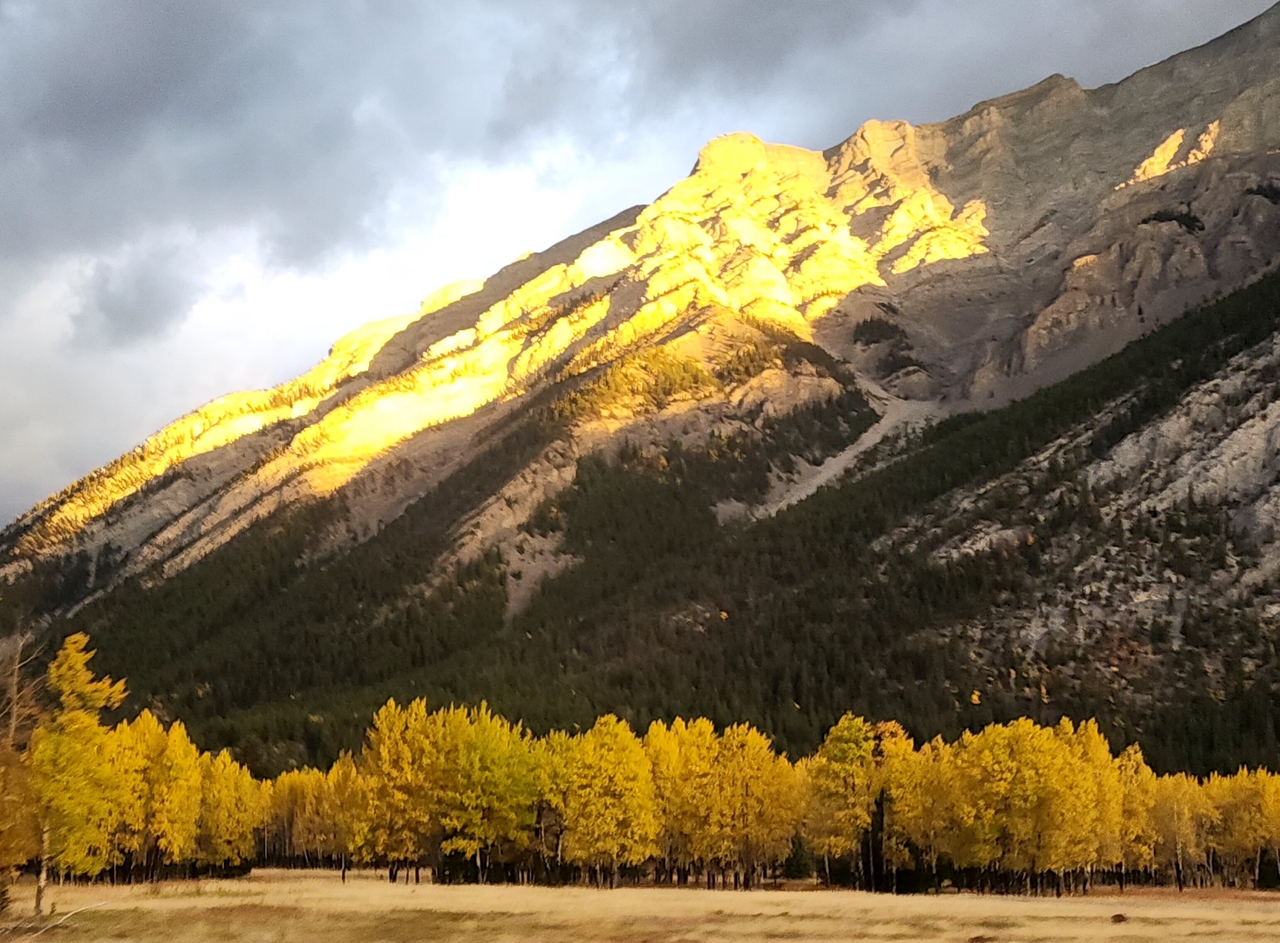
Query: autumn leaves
(134, 796)
(467, 794)
(1015, 806)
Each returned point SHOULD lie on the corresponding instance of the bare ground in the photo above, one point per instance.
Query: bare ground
(279, 906)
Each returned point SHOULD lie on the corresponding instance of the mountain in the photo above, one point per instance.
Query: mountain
(594, 481)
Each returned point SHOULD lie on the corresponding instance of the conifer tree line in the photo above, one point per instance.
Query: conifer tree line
(461, 794)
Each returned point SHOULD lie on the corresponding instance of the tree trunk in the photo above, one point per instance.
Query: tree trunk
(43, 879)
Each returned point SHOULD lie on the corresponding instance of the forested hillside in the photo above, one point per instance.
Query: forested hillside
(843, 602)
(466, 795)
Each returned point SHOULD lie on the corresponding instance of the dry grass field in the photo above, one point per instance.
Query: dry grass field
(271, 906)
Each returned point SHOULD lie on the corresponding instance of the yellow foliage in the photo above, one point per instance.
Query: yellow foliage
(487, 783)
(79, 791)
(73, 682)
(611, 811)
(19, 827)
(841, 784)
(683, 759)
(161, 785)
(1016, 798)
(395, 764)
(755, 804)
(1183, 816)
(233, 805)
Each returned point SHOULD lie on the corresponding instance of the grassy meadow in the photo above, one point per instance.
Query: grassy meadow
(273, 906)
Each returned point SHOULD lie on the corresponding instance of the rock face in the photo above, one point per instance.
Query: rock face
(1157, 561)
(1007, 247)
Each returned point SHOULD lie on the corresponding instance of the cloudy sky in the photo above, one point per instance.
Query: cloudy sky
(199, 197)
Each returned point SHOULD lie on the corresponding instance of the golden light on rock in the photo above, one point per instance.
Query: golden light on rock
(766, 231)
(1163, 161)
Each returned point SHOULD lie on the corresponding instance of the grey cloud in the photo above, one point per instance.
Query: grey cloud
(137, 295)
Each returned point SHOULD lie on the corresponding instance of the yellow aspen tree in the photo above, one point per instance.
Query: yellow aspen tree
(895, 756)
(233, 805)
(994, 796)
(19, 829)
(488, 785)
(78, 791)
(611, 813)
(1182, 816)
(921, 787)
(1236, 836)
(683, 759)
(552, 755)
(1020, 792)
(347, 812)
(397, 764)
(1138, 799)
(758, 802)
(841, 782)
(177, 792)
(134, 748)
(285, 808)
(1092, 823)
(663, 750)
(1269, 800)
(307, 788)
(160, 776)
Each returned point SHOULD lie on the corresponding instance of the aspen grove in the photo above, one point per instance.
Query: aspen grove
(462, 794)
